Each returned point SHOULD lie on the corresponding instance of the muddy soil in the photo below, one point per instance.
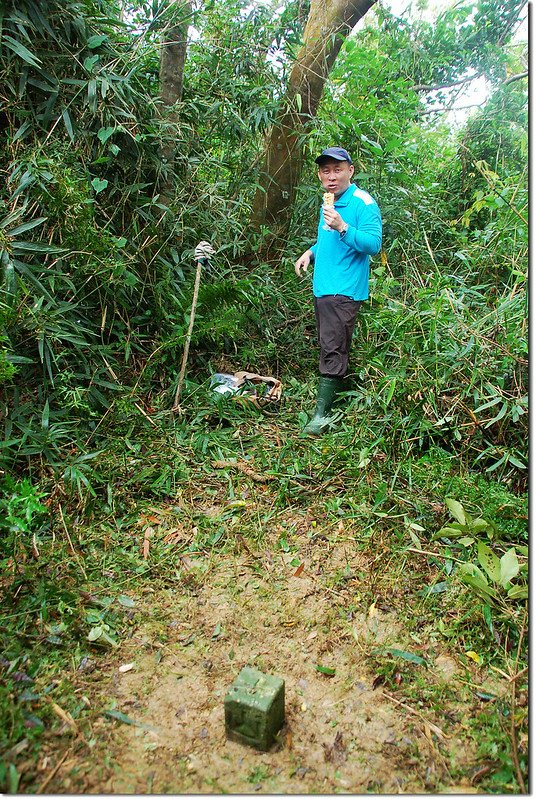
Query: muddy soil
(343, 733)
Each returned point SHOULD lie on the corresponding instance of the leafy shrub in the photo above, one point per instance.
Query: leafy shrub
(22, 516)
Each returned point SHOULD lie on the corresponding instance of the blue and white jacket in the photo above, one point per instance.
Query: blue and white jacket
(341, 263)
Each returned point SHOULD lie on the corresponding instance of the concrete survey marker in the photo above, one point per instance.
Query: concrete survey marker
(255, 708)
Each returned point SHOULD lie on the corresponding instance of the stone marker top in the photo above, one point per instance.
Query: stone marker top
(260, 688)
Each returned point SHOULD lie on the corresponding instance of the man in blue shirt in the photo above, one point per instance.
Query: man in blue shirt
(349, 232)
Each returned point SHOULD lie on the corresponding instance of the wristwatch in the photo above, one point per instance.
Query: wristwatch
(344, 229)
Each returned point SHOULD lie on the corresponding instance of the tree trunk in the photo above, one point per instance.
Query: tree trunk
(328, 24)
(172, 60)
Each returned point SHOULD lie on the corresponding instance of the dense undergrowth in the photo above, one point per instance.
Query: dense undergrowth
(428, 457)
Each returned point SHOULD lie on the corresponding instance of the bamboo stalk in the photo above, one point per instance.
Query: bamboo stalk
(188, 337)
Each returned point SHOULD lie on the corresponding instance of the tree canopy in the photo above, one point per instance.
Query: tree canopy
(130, 131)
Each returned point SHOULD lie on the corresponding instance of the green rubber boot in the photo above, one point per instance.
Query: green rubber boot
(328, 388)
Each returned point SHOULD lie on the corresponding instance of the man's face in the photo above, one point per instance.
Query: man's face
(335, 176)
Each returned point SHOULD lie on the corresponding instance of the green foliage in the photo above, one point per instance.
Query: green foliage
(442, 362)
(7, 369)
(95, 268)
(494, 578)
(22, 516)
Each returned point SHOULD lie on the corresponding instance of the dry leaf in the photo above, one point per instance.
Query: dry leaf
(242, 467)
(335, 752)
(126, 667)
(173, 535)
(241, 540)
(64, 716)
(299, 570)
(149, 532)
(474, 656)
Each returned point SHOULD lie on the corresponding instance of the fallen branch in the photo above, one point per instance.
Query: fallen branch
(424, 87)
(513, 734)
(141, 410)
(429, 724)
(518, 675)
(202, 253)
(513, 738)
(513, 78)
(73, 550)
(54, 771)
(434, 554)
(242, 467)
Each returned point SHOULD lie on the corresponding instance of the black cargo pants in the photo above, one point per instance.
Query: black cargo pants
(335, 321)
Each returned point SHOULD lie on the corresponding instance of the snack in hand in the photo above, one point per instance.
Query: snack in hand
(329, 199)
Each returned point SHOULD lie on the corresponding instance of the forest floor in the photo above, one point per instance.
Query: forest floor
(341, 735)
(382, 693)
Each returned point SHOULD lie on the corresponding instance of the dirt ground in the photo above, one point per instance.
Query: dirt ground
(343, 733)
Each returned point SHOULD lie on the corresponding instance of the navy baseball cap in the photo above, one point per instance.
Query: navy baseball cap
(333, 152)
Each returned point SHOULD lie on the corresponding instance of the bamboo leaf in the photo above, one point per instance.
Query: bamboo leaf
(27, 226)
(508, 568)
(124, 719)
(325, 670)
(489, 404)
(37, 246)
(22, 51)
(68, 124)
(45, 416)
(23, 130)
(497, 418)
(400, 653)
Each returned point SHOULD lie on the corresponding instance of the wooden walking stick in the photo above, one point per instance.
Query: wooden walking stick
(202, 253)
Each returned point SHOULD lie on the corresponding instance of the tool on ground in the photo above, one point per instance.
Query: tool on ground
(202, 255)
(263, 391)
